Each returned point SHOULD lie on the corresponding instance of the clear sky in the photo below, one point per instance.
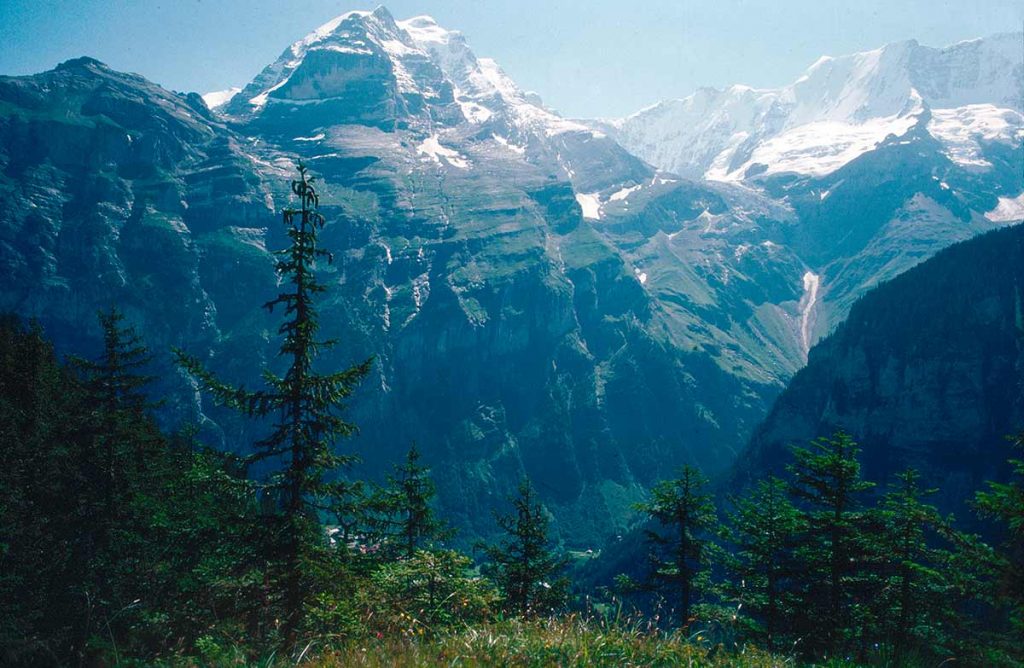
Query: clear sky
(585, 58)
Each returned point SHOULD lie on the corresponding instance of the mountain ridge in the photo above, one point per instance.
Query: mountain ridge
(540, 301)
(854, 101)
(925, 372)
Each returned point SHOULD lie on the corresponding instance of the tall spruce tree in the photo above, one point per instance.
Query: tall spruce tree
(764, 528)
(524, 565)
(123, 462)
(833, 551)
(915, 597)
(123, 436)
(402, 516)
(307, 406)
(43, 517)
(681, 551)
(99, 471)
(1004, 502)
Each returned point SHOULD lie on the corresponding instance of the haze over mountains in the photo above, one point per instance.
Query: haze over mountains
(588, 303)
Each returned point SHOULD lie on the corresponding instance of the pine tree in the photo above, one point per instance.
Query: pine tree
(203, 569)
(524, 566)
(87, 578)
(307, 405)
(121, 464)
(402, 512)
(832, 552)
(681, 553)
(350, 510)
(1004, 502)
(124, 435)
(764, 528)
(915, 598)
(90, 470)
(431, 589)
(117, 373)
(42, 565)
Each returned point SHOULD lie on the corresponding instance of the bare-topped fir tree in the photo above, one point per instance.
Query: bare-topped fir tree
(307, 405)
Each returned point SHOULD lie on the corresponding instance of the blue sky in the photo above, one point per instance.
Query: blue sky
(596, 58)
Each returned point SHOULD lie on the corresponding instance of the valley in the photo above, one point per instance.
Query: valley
(586, 303)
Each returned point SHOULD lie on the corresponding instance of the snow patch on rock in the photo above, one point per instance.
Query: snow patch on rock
(623, 194)
(591, 205)
(963, 129)
(431, 148)
(520, 150)
(219, 98)
(1008, 210)
(818, 148)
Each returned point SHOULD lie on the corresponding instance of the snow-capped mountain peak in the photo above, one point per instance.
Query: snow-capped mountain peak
(357, 53)
(855, 88)
(425, 30)
(840, 108)
(482, 88)
(416, 59)
(366, 68)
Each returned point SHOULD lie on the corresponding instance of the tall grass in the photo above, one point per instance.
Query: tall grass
(568, 641)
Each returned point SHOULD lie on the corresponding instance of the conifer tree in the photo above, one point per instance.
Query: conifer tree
(833, 551)
(681, 552)
(524, 566)
(42, 516)
(402, 512)
(764, 528)
(87, 578)
(1004, 502)
(306, 404)
(350, 510)
(121, 463)
(92, 477)
(123, 435)
(915, 597)
(118, 371)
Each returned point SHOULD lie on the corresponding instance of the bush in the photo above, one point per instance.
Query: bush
(429, 591)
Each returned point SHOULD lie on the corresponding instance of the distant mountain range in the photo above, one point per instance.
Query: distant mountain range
(841, 108)
(586, 303)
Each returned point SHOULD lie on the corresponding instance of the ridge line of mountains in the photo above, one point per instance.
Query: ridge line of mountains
(587, 303)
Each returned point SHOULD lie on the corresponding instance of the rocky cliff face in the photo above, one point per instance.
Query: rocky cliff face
(117, 191)
(511, 336)
(539, 301)
(883, 157)
(928, 371)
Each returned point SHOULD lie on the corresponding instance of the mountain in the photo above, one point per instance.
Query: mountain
(926, 372)
(366, 68)
(882, 158)
(539, 301)
(106, 178)
(964, 95)
(510, 336)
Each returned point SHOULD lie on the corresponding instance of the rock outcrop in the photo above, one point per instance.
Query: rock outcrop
(928, 372)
